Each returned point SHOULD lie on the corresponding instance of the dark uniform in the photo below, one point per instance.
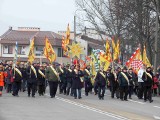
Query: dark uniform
(41, 81)
(63, 81)
(123, 84)
(112, 82)
(17, 76)
(101, 83)
(69, 79)
(147, 77)
(32, 80)
(24, 78)
(77, 83)
(87, 81)
(131, 82)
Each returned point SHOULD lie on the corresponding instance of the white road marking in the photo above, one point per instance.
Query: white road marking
(133, 101)
(156, 107)
(137, 102)
(118, 117)
(156, 117)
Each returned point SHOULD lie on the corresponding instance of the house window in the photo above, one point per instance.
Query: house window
(21, 50)
(39, 50)
(8, 49)
(60, 52)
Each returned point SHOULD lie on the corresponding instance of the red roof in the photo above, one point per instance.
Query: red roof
(23, 37)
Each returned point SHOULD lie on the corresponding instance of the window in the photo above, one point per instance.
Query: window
(8, 49)
(60, 52)
(39, 50)
(21, 50)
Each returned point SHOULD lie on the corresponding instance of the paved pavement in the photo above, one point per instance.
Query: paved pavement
(67, 108)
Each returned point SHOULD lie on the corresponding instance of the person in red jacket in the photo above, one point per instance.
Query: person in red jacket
(155, 84)
(2, 77)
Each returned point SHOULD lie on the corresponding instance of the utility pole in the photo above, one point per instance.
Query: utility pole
(156, 38)
(74, 28)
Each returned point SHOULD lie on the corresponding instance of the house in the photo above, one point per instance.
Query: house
(23, 36)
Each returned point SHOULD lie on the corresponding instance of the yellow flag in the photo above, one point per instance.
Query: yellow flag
(145, 58)
(31, 55)
(116, 50)
(93, 70)
(48, 51)
(104, 62)
(68, 35)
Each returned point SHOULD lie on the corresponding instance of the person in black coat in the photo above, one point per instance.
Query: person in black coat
(69, 79)
(147, 77)
(87, 80)
(41, 80)
(123, 79)
(17, 79)
(131, 82)
(24, 78)
(101, 83)
(31, 72)
(77, 81)
(112, 81)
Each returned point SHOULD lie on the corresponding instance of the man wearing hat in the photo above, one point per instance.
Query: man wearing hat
(53, 77)
(101, 82)
(32, 79)
(123, 80)
(112, 81)
(69, 78)
(147, 77)
(87, 80)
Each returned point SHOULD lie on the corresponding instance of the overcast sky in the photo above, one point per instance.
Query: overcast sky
(50, 15)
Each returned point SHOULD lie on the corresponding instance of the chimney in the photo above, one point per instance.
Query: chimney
(10, 27)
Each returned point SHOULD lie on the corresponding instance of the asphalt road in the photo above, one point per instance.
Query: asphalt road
(67, 108)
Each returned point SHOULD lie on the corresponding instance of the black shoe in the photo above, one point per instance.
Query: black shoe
(28, 95)
(145, 100)
(13, 94)
(75, 97)
(52, 97)
(130, 98)
(121, 99)
(33, 96)
(151, 101)
(102, 98)
(79, 97)
(125, 100)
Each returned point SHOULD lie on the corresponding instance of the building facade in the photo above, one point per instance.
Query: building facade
(23, 36)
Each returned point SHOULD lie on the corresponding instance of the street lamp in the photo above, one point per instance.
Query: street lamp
(75, 22)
